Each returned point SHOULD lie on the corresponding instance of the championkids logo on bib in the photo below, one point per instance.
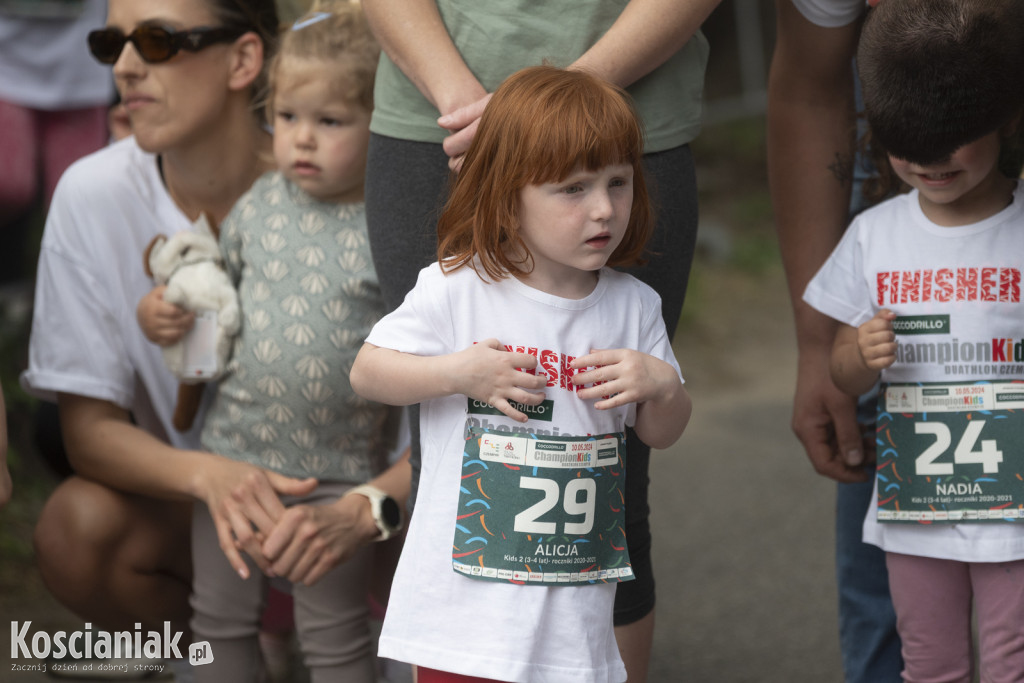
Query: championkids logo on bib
(992, 357)
(79, 650)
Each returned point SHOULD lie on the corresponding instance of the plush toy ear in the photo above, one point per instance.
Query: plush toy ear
(204, 226)
(153, 244)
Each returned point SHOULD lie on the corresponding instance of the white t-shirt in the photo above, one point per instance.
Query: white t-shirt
(85, 338)
(45, 62)
(444, 620)
(831, 13)
(893, 257)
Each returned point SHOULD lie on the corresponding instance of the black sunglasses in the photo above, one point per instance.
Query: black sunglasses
(157, 44)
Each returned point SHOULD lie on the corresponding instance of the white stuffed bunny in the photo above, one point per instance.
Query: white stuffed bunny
(189, 263)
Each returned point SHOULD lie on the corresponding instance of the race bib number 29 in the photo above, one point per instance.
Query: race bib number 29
(951, 453)
(542, 510)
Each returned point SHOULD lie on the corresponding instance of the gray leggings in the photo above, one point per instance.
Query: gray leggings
(331, 616)
(406, 186)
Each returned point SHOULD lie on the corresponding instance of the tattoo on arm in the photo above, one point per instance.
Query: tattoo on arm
(842, 169)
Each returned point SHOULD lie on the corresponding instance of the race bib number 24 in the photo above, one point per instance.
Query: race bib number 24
(951, 453)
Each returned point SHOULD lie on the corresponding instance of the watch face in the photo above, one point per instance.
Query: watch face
(390, 513)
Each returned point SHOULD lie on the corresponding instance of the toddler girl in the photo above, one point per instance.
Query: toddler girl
(296, 247)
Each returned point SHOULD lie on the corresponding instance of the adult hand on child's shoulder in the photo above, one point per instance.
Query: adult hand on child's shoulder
(310, 540)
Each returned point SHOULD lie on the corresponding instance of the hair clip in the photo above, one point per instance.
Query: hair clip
(310, 20)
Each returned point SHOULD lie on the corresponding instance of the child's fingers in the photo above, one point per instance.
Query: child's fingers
(531, 384)
(507, 410)
(526, 398)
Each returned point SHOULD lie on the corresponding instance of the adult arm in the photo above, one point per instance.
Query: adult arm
(310, 540)
(811, 141)
(645, 36)
(414, 37)
(104, 445)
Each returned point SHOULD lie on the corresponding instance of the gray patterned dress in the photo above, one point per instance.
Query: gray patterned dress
(309, 297)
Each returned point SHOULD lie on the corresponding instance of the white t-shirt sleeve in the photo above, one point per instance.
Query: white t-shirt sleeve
(839, 289)
(76, 344)
(831, 13)
(654, 334)
(422, 325)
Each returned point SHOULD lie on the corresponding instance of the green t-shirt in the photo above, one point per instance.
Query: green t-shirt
(498, 39)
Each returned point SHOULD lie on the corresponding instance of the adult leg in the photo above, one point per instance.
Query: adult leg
(19, 187)
(116, 559)
(406, 185)
(868, 637)
(19, 166)
(672, 183)
(933, 609)
(999, 604)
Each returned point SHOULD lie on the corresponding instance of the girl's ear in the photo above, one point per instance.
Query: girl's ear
(246, 61)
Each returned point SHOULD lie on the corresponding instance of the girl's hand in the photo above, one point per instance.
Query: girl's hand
(162, 323)
(245, 504)
(489, 373)
(625, 376)
(310, 540)
(876, 341)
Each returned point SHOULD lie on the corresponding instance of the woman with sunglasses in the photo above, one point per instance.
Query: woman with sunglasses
(113, 541)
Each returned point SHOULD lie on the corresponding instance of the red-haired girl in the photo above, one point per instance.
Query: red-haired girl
(530, 357)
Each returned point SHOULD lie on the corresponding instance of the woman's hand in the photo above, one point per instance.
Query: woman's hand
(310, 540)
(461, 124)
(162, 323)
(245, 504)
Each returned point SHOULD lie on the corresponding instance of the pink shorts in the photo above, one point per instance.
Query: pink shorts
(424, 675)
(36, 147)
(933, 601)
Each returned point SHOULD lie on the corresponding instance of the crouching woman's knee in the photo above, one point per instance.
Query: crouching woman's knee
(76, 536)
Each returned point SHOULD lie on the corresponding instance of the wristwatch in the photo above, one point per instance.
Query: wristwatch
(386, 513)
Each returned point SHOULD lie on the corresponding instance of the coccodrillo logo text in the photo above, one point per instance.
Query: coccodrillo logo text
(89, 644)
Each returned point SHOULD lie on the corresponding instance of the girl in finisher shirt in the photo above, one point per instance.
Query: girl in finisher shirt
(504, 340)
(942, 92)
